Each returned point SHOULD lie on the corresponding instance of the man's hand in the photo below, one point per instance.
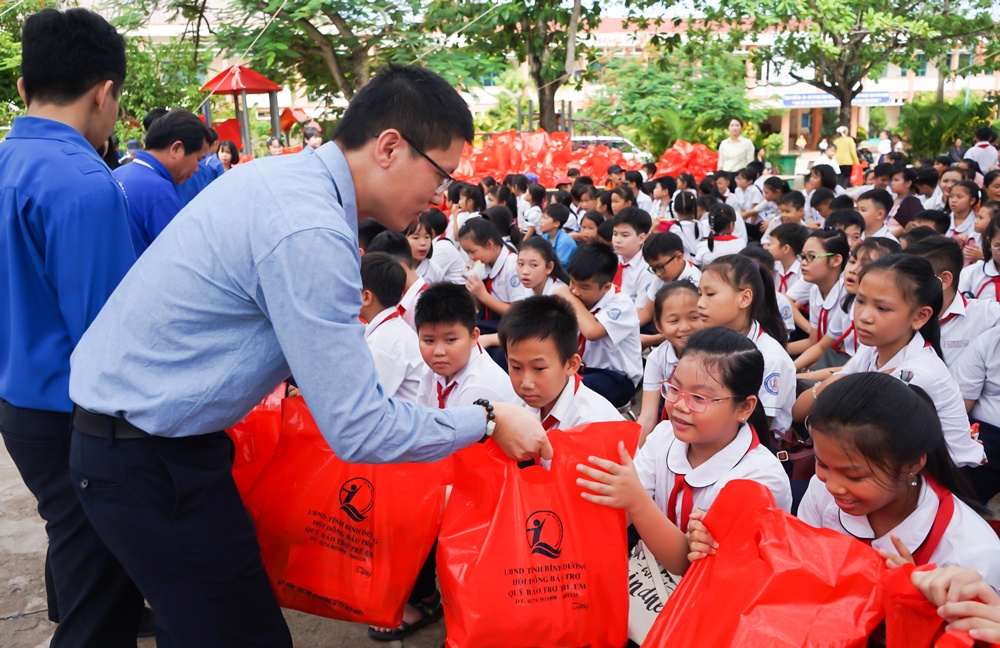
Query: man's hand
(519, 433)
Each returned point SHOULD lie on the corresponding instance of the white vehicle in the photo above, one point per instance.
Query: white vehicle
(624, 145)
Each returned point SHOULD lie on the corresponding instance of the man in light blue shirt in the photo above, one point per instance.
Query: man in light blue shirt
(258, 278)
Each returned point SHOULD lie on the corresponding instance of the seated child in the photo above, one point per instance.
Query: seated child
(539, 335)
(721, 241)
(685, 209)
(715, 433)
(874, 207)
(608, 322)
(850, 222)
(393, 343)
(551, 224)
(981, 280)
(421, 238)
(539, 269)
(631, 227)
(451, 265)
(396, 245)
(791, 209)
(785, 246)
(495, 283)
(664, 254)
(589, 222)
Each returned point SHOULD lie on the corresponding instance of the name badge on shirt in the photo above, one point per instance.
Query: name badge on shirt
(955, 344)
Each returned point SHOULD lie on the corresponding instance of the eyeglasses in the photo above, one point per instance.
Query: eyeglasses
(661, 269)
(696, 402)
(809, 258)
(447, 181)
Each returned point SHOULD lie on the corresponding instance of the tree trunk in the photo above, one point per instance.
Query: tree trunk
(547, 120)
(845, 108)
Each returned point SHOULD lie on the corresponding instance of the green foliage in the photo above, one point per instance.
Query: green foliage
(668, 99)
(932, 127)
(877, 121)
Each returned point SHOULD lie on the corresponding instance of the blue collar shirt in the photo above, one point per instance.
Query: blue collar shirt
(152, 198)
(64, 245)
(258, 279)
(208, 170)
(564, 246)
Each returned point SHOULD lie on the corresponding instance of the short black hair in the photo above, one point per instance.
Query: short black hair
(151, 116)
(310, 132)
(541, 318)
(880, 198)
(661, 244)
(918, 233)
(794, 198)
(436, 221)
(793, 235)
(558, 212)
(382, 274)
(606, 230)
(537, 194)
(842, 201)
(638, 219)
(595, 261)
(394, 244)
(884, 170)
(178, 125)
(941, 220)
(820, 196)
(417, 102)
(445, 303)
(985, 134)
(66, 53)
(942, 252)
(927, 177)
(368, 229)
(634, 177)
(844, 218)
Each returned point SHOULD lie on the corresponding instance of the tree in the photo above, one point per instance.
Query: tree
(541, 33)
(931, 126)
(834, 45)
(667, 98)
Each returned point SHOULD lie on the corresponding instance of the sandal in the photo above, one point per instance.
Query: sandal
(430, 611)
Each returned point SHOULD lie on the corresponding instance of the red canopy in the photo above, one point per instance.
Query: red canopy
(237, 79)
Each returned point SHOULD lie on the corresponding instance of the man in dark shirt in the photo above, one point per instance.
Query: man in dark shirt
(65, 243)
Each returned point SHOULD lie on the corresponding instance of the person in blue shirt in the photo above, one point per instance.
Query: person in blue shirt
(551, 225)
(175, 144)
(312, 139)
(64, 245)
(259, 279)
(208, 169)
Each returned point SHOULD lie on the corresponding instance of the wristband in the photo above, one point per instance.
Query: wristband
(491, 418)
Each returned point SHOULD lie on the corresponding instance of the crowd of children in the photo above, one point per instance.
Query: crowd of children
(829, 344)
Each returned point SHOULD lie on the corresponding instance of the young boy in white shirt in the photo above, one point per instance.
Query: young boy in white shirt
(395, 245)
(631, 227)
(785, 246)
(393, 343)
(664, 254)
(962, 320)
(608, 322)
(539, 335)
(873, 206)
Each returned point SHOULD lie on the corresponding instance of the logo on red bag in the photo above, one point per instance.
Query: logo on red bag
(357, 496)
(545, 533)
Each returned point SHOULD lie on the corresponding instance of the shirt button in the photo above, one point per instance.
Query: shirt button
(84, 483)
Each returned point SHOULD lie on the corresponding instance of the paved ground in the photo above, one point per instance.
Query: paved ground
(23, 619)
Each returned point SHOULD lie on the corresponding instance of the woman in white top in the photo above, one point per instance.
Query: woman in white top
(735, 152)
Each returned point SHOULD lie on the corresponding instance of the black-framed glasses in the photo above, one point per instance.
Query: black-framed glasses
(809, 257)
(660, 269)
(696, 402)
(447, 181)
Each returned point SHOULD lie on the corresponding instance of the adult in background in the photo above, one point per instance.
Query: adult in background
(259, 279)
(209, 168)
(957, 151)
(175, 144)
(847, 155)
(736, 151)
(65, 245)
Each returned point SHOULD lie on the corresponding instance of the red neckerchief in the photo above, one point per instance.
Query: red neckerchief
(945, 511)
(551, 421)
(996, 285)
(443, 394)
(402, 309)
(783, 285)
(487, 313)
(395, 315)
(442, 237)
(582, 341)
(687, 500)
(838, 345)
(725, 237)
(823, 324)
(617, 281)
(950, 316)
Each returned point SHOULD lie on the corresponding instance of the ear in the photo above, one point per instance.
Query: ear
(20, 90)
(388, 147)
(914, 467)
(947, 279)
(573, 364)
(746, 408)
(105, 96)
(367, 297)
(475, 335)
(177, 149)
(642, 237)
(922, 316)
(744, 298)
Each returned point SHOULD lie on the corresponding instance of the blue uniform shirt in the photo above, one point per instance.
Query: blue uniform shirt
(64, 246)
(259, 277)
(152, 198)
(564, 245)
(208, 169)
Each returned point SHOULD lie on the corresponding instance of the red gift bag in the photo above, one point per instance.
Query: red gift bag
(523, 560)
(255, 438)
(911, 621)
(774, 582)
(341, 540)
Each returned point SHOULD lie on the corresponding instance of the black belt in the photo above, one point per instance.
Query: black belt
(105, 427)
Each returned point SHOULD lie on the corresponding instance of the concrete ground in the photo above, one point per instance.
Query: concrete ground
(23, 619)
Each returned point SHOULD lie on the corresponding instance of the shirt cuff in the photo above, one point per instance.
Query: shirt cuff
(470, 426)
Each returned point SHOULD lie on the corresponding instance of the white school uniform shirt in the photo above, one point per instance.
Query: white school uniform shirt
(620, 350)
(505, 284)
(634, 275)
(550, 284)
(660, 365)
(648, 293)
(967, 228)
(984, 155)
(968, 540)
(785, 279)
(429, 272)
(962, 322)
(884, 232)
(981, 280)
(777, 392)
(739, 229)
(857, 191)
(978, 374)
(408, 303)
(772, 224)
(934, 201)
(578, 405)
(522, 206)
(396, 352)
(690, 232)
(748, 198)
(733, 201)
(481, 377)
(828, 161)
(532, 215)
(663, 457)
(919, 365)
(821, 308)
(573, 222)
(451, 266)
(786, 309)
(841, 330)
(724, 244)
(644, 202)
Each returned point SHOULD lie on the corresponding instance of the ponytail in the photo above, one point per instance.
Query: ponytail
(742, 273)
(916, 280)
(774, 183)
(720, 219)
(503, 222)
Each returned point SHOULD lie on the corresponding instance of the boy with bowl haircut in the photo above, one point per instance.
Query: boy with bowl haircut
(874, 206)
(630, 228)
(396, 245)
(539, 335)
